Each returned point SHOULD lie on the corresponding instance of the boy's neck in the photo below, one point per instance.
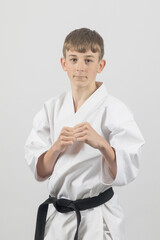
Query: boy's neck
(80, 95)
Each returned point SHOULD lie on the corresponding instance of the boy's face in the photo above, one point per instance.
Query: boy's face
(82, 68)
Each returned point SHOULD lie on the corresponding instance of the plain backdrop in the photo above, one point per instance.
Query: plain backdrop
(32, 34)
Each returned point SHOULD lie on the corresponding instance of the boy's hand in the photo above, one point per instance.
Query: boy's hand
(65, 139)
(83, 132)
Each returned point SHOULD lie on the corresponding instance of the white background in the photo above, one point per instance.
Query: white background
(31, 40)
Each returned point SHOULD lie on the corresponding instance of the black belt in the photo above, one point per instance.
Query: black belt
(65, 205)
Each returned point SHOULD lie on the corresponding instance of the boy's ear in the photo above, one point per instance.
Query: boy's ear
(102, 64)
(63, 63)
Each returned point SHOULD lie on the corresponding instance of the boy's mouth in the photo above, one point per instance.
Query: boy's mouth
(80, 76)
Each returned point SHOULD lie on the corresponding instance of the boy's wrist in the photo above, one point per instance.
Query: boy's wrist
(102, 144)
(55, 150)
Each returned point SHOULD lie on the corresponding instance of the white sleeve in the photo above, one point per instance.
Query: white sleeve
(127, 141)
(38, 141)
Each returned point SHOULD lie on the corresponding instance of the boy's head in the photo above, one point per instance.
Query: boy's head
(83, 40)
(83, 51)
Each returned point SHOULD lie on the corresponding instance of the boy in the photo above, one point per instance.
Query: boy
(83, 141)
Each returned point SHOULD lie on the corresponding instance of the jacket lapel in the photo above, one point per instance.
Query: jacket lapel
(66, 115)
(89, 106)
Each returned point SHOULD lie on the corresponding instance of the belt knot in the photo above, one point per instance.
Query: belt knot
(63, 205)
(62, 202)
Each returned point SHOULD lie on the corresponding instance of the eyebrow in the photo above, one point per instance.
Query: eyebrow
(72, 55)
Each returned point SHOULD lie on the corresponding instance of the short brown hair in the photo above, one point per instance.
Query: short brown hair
(82, 40)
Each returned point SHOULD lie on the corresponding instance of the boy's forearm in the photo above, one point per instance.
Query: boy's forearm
(46, 162)
(109, 156)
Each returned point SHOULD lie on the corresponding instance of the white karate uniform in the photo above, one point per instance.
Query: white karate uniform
(80, 172)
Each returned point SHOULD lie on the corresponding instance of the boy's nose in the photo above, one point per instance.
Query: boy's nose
(80, 66)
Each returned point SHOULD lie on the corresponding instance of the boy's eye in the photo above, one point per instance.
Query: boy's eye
(88, 60)
(73, 59)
